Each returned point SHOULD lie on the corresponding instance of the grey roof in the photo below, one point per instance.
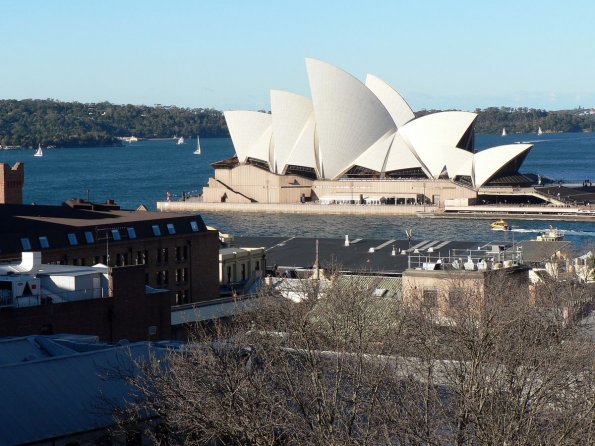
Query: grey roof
(296, 252)
(59, 386)
(539, 251)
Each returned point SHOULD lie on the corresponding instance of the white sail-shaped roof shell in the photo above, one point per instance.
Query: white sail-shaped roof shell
(459, 162)
(251, 134)
(304, 149)
(400, 156)
(391, 99)
(347, 123)
(349, 117)
(291, 113)
(375, 157)
(431, 136)
(489, 161)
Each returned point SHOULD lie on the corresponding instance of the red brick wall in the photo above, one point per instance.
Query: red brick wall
(128, 315)
(11, 183)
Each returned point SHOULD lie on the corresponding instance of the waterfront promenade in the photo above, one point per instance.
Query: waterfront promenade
(424, 211)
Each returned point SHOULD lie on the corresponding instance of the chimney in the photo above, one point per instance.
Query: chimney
(11, 183)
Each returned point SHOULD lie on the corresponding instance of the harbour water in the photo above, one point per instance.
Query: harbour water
(143, 172)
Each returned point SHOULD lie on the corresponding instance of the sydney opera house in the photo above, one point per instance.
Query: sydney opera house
(356, 142)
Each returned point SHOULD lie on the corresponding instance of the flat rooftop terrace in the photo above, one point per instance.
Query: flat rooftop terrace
(377, 256)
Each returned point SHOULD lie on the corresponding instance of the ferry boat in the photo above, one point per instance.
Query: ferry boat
(550, 235)
(500, 225)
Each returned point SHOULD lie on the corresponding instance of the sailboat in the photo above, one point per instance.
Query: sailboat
(181, 140)
(197, 150)
(39, 151)
(539, 131)
(504, 131)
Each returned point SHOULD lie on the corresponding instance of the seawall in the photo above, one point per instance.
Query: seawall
(428, 211)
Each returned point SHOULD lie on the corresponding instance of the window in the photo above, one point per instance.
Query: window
(89, 237)
(194, 226)
(181, 253)
(161, 255)
(122, 259)
(171, 228)
(43, 241)
(26, 244)
(72, 239)
(455, 297)
(156, 230)
(131, 232)
(430, 297)
(181, 275)
(116, 235)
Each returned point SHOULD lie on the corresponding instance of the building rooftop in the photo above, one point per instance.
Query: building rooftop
(49, 227)
(540, 251)
(62, 385)
(361, 255)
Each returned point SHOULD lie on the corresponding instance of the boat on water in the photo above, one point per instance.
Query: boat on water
(500, 225)
(551, 234)
(197, 151)
(539, 131)
(504, 131)
(39, 151)
(181, 140)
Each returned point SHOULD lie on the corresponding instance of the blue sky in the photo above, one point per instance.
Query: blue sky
(229, 54)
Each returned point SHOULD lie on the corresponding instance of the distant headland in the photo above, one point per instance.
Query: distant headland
(47, 122)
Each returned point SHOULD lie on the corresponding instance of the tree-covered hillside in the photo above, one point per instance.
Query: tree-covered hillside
(72, 124)
(528, 120)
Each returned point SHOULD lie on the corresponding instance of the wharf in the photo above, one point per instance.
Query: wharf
(427, 211)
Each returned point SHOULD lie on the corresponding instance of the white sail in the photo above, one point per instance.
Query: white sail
(197, 151)
(539, 131)
(39, 151)
(504, 131)
(181, 140)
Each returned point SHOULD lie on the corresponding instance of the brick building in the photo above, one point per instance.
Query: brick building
(129, 312)
(177, 251)
(11, 183)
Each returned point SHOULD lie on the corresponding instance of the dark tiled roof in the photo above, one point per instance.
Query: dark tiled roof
(537, 251)
(54, 386)
(301, 252)
(55, 222)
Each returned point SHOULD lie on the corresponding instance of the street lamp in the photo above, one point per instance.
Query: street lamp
(409, 233)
